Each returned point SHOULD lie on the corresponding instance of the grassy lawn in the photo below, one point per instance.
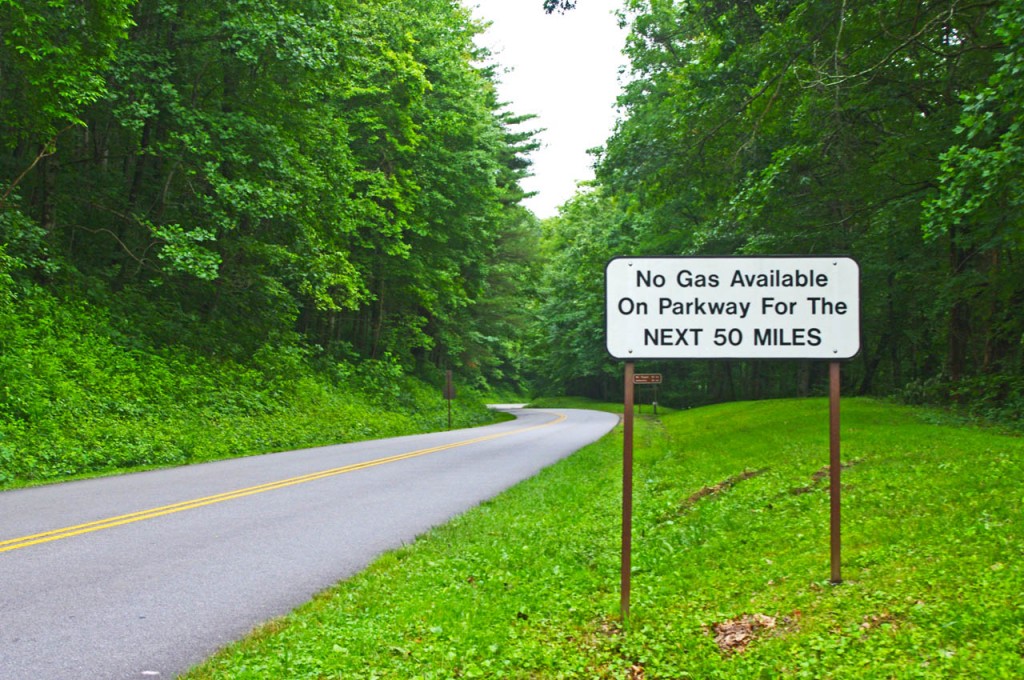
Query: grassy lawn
(731, 563)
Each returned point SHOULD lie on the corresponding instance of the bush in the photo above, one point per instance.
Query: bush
(997, 397)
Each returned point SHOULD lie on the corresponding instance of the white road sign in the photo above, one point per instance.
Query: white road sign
(732, 307)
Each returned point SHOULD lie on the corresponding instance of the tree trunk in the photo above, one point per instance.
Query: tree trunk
(959, 316)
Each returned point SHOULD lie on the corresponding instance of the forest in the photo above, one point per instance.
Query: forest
(246, 210)
(886, 131)
(211, 210)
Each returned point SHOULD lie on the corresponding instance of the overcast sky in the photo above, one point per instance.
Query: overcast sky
(564, 68)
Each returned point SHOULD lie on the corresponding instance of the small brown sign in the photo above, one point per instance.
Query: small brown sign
(647, 378)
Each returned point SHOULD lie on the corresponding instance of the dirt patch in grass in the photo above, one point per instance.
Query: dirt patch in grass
(732, 637)
(720, 487)
(821, 474)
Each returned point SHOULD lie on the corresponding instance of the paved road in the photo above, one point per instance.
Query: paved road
(144, 575)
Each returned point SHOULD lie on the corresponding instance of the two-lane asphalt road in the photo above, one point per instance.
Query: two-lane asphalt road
(144, 575)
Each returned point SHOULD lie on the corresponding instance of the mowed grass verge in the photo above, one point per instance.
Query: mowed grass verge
(731, 563)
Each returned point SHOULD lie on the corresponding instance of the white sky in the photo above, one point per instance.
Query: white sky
(564, 68)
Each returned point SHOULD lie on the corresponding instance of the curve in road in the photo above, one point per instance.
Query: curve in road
(145, 575)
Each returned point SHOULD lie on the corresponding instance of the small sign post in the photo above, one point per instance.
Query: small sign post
(792, 307)
(648, 379)
(449, 394)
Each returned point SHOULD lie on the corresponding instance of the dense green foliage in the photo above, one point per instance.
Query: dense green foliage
(343, 170)
(731, 521)
(887, 131)
(199, 196)
(79, 400)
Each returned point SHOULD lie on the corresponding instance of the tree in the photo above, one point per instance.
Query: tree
(558, 5)
(976, 212)
(52, 57)
(568, 354)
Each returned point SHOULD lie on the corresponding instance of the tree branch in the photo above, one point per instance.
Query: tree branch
(48, 149)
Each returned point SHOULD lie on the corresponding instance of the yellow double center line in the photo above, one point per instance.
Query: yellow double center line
(110, 522)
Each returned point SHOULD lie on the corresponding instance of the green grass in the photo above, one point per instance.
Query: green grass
(574, 402)
(731, 520)
(643, 409)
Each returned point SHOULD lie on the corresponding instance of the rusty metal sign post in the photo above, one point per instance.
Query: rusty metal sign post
(835, 468)
(627, 495)
(789, 307)
(632, 379)
(449, 393)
